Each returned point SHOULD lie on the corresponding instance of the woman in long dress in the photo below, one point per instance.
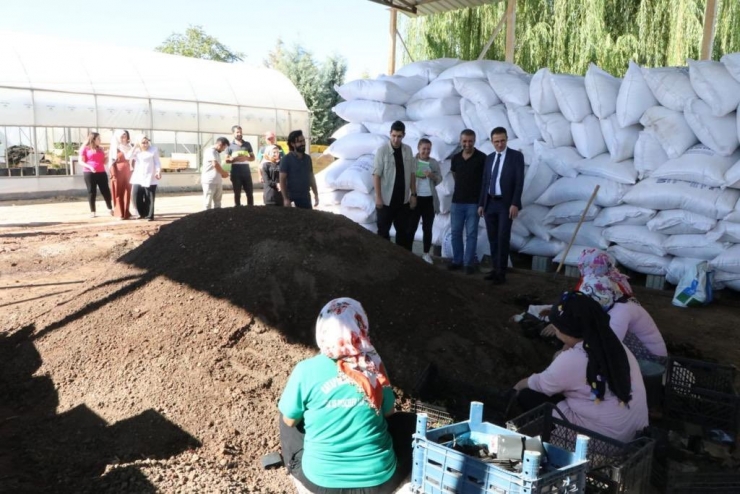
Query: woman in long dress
(120, 174)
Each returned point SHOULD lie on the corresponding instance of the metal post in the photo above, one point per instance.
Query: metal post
(392, 48)
(510, 30)
(707, 40)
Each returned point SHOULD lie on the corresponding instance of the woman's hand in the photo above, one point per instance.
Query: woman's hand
(523, 384)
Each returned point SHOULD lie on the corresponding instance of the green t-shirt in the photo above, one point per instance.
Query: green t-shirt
(347, 444)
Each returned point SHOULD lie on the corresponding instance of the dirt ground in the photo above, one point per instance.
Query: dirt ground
(149, 356)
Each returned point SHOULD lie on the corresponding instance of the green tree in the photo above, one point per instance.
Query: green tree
(196, 43)
(315, 81)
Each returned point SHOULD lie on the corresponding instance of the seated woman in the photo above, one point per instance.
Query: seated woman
(333, 432)
(595, 380)
(628, 319)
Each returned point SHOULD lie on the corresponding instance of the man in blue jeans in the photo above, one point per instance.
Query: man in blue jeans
(467, 170)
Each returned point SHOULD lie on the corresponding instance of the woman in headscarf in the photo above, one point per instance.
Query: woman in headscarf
(145, 177)
(120, 173)
(270, 171)
(595, 380)
(628, 319)
(333, 429)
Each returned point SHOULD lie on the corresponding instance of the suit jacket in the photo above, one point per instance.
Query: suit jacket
(512, 179)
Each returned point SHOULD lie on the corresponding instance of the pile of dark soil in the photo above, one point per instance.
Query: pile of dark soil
(187, 341)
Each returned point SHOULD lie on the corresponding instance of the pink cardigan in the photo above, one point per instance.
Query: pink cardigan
(95, 160)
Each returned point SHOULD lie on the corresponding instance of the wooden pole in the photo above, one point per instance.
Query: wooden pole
(510, 30)
(707, 40)
(578, 227)
(392, 47)
(403, 43)
(496, 30)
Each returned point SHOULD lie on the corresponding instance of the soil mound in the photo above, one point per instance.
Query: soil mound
(202, 324)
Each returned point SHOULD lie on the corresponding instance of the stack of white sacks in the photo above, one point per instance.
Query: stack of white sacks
(662, 144)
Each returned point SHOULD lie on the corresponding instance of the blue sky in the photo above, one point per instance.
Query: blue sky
(356, 29)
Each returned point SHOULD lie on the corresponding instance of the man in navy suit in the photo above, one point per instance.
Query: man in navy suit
(500, 200)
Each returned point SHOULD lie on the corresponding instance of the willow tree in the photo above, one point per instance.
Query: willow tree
(567, 35)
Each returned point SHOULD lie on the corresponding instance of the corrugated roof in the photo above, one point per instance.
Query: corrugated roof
(427, 7)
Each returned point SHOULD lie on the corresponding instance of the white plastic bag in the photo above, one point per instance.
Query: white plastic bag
(714, 85)
(436, 90)
(569, 212)
(640, 261)
(580, 188)
(430, 69)
(561, 160)
(533, 219)
(512, 89)
(588, 235)
(619, 140)
(698, 164)
(636, 239)
(358, 176)
(346, 129)
(695, 288)
(624, 214)
(695, 246)
(729, 260)
(373, 90)
(434, 107)
(649, 154)
(495, 116)
(410, 85)
(680, 222)
(446, 128)
(524, 124)
(660, 193)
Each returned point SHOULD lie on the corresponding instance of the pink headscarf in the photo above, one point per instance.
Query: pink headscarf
(595, 262)
(342, 334)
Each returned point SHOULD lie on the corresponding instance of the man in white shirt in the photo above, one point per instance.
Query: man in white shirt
(212, 175)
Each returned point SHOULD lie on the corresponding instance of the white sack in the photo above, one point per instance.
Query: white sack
(573, 255)
(620, 140)
(541, 94)
(671, 86)
(699, 164)
(436, 90)
(654, 193)
(358, 176)
(580, 188)
(430, 69)
(524, 124)
(346, 129)
(480, 69)
(410, 85)
(624, 214)
(717, 133)
(680, 222)
(732, 177)
(326, 178)
(537, 179)
(526, 149)
(478, 91)
(561, 160)
(447, 186)
(442, 150)
(353, 146)
(440, 227)
(731, 61)
(587, 137)
(725, 231)
(713, 83)
(517, 227)
(428, 108)
(369, 111)
(516, 242)
(588, 235)
(555, 129)
(670, 129)
(649, 154)
(512, 89)
(640, 261)
(469, 114)
(538, 247)
(695, 246)
(636, 239)
(384, 129)
(569, 212)
(634, 97)
(359, 207)
(373, 90)
(533, 219)
(570, 91)
(331, 197)
(493, 117)
(602, 89)
(678, 267)
(729, 260)
(602, 166)
(446, 128)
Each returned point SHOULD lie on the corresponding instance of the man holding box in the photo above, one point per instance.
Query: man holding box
(239, 154)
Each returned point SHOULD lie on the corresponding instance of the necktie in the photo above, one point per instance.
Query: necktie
(494, 175)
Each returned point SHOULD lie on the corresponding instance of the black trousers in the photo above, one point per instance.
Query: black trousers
(423, 211)
(529, 399)
(241, 178)
(498, 228)
(94, 181)
(398, 216)
(144, 198)
(401, 426)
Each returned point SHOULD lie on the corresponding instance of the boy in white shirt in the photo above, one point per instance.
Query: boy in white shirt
(212, 175)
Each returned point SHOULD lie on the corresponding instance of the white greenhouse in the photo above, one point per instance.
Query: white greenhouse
(54, 91)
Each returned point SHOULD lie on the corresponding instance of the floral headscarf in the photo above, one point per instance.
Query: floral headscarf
(595, 262)
(342, 334)
(602, 289)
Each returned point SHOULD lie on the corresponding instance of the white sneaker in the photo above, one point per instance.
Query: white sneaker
(426, 257)
(92, 215)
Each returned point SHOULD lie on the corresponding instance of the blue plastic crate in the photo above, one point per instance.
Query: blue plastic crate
(439, 469)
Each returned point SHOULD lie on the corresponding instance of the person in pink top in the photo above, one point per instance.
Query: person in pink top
(92, 160)
(595, 380)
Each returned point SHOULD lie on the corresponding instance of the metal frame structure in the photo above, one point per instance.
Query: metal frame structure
(428, 7)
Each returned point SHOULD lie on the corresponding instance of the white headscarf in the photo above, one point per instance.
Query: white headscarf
(116, 145)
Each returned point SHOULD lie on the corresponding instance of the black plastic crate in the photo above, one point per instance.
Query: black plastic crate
(702, 393)
(614, 466)
(436, 416)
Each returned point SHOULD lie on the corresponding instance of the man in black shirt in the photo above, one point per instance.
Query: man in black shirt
(239, 154)
(467, 170)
